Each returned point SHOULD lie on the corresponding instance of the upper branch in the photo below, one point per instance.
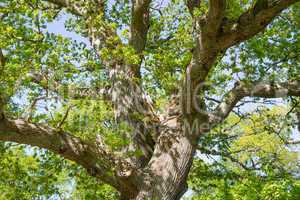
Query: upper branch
(215, 15)
(98, 162)
(139, 24)
(215, 33)
(292, 142)
(192, 5)
(252, 22)
(2, 60)
(205, 51)
(227, 155)
(263, 90)
(2, 65)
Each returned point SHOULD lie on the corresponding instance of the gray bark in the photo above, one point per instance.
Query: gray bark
(168, 150)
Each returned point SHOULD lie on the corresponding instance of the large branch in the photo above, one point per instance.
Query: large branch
(98, 162)
(215, 34)
(2, 65)
(128, 97)
(252, 22)
(139, 24)
(205, 51)
(215, 15)
(263, 90)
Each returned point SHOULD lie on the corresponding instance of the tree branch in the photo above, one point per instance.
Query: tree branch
(65, 117)
(192, 5)
(98, 161)
(226, 155)
(206, 49)
(215, 15)
(1, 108)
(2, 61)
(2, 65)
(263, 90)
(139, 24)
(74, 7)
(252, 22)
(215, 34)
(292, 142)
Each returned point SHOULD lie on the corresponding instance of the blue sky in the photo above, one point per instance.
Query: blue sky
(58, 27)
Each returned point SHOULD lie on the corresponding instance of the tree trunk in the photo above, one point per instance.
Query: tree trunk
(170, 169)
(166, 173)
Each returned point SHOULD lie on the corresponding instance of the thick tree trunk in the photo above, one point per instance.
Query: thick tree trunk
(166, 179)
(134, 107)
(166, 173)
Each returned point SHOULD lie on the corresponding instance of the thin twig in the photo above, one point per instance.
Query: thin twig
(65, 117)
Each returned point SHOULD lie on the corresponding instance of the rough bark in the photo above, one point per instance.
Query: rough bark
(131, 104)
(134, 106)
(250, 23)
(168, 171)
(94, 158)
(168, 144)
(139, 24)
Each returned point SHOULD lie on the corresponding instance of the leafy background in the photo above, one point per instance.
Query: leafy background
(245, 158)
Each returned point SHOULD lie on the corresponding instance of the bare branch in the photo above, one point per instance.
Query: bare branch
(263, 90)
(215, 34)
(292, 142)
(252, 22)
(229, 156)
(64, 118)
(29, 111)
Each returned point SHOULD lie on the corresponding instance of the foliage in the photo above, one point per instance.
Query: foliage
(255, 164)
(252, 161)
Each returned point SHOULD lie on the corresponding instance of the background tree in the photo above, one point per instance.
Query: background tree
(157, 83)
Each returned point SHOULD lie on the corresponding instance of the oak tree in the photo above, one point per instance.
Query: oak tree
(153, 84)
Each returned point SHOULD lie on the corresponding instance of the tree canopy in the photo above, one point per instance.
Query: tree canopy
(168, 100)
